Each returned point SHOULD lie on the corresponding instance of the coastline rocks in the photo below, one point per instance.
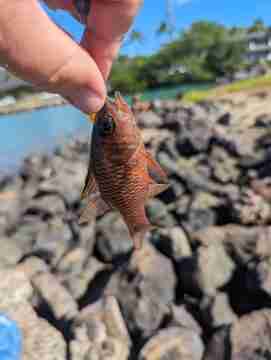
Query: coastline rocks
(149, 120)
(209, 269)
(144, 288)
(113, 239)
(100, 332)
(217, 311)
(40, 339)
(248, 338)
(200, 286)
(173, 344)
(182, 318)
(55, 296)
(76, 272)
(173, 242)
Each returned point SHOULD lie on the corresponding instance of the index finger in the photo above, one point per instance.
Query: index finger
(108, 22)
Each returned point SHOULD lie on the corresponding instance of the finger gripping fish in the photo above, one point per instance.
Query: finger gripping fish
(121, 175)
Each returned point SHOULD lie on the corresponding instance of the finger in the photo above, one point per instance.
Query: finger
(38, 51)
(56, 4)
(108, 21)
(65, 5)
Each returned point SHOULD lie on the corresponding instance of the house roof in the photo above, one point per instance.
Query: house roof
(258, 35)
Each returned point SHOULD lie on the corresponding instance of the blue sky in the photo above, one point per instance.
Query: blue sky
(228, 12)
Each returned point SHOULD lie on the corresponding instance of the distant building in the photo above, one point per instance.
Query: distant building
(3, 74)
(9, 83)
(177, 69)
(259, 46)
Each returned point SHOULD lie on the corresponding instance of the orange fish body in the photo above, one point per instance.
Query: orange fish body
(122, 175)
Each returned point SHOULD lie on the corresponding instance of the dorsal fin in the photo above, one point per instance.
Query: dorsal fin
(121, 103)
(90, 186)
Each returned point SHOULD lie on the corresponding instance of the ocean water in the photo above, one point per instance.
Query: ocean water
(42, 130)
(37, 131)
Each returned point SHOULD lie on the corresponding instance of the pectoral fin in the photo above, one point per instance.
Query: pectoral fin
(90, 185)
(155, 171)
(95, 207)
(156, 189)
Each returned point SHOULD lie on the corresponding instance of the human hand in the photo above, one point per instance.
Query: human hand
(38, 51)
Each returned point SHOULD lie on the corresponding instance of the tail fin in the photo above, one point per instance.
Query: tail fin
(138, 233)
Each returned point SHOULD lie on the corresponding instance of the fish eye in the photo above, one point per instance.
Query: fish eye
(106, 126)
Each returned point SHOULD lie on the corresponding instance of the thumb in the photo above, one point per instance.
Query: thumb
(38, 51)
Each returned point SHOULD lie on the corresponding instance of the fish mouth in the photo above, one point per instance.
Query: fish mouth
(108, 102)
(93, 117)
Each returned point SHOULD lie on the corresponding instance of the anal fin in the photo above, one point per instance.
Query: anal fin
(154, 169)
(95, 207)
(156, 189)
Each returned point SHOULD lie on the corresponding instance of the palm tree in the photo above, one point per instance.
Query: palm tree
(257, 26)
(135, 38)
(162, 28)
(170, 17)
(167, 27)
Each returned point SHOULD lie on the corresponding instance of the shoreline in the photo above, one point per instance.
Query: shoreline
(211, 224)
(32, 104)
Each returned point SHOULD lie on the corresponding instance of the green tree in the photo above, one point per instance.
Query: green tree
(162, 29)
(206, 50)
(135, 37)
(258, 25)
(225, 57)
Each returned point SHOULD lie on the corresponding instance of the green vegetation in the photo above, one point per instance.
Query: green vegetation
(242, 85)
(202, 53)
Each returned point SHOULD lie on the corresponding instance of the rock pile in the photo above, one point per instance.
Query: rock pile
(200, 288)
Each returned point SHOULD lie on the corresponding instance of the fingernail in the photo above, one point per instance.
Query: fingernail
(87, 101)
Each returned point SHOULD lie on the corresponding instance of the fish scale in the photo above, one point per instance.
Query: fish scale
(121, 169)
(119, 196)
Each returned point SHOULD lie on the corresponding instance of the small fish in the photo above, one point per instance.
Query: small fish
(122, 174)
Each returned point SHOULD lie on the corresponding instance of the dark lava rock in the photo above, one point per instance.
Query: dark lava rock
(100, 332)
(224, 167)
(173, 242)
(199, 218)
(173, 344)
(77, 270)
(195, 136)
(68, 180)
(149, 120)
(10, 252)
(182, 318)
(209, 269)
(158, 214)
(113, 239)
(48, 204)
(216, 311)
(242, 243)
(224, 119)
(263, 120)
(247, 339)
(54, 240)
(144, 290)
(55, 296)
